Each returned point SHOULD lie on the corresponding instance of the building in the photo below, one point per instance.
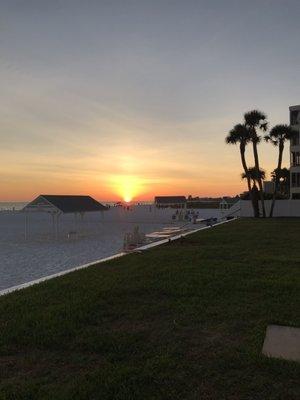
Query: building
(170, 201)
(295, 153)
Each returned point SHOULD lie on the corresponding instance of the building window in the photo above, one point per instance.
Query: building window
(295, 179)
(295, 140)
(295, 158)
(294, 117)
(296, 196)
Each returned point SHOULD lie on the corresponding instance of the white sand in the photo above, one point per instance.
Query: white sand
(97, 236)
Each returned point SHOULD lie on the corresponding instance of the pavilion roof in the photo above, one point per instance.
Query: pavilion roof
(64, 203)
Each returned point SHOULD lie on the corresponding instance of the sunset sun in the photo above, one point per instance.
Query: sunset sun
(127, 199)
(127, 186)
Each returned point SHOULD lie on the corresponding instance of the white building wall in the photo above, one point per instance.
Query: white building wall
(283, 208)
(295, 123)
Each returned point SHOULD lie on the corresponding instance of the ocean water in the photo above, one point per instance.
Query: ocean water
(12, 206)
(18, 205)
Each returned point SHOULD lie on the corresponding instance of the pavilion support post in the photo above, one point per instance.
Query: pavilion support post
(53, 224)
(75, 222)
(81, 226)
(57, 225)
(26, 226)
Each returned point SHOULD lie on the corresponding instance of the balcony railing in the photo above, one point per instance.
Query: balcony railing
(295, 141)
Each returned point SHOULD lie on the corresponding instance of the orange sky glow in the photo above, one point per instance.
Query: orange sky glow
(129, 173)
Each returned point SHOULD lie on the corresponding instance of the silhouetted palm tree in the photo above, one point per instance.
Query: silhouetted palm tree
(256, 120)
(278, 136)
(240, 135)
(255, 175)
(284, 180)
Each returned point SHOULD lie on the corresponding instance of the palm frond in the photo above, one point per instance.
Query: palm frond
(282, 132)
(264, 126)
(238, 134)
(256, 119)
(254, 174)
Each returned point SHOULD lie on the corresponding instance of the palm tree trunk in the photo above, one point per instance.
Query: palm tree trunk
(255, 199)
(256, 160)
(244, 164)
(281, 148)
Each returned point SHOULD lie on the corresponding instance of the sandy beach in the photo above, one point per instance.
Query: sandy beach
(97, 235)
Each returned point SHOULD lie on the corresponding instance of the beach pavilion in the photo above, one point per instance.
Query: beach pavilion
(57, 205)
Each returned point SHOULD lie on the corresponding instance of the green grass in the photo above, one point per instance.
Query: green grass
(182, 321)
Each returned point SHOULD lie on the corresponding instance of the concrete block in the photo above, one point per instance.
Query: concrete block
(282, 342)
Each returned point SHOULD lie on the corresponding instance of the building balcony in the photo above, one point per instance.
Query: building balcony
(295, 168)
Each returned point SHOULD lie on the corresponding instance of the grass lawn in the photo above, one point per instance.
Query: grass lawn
(181, 321)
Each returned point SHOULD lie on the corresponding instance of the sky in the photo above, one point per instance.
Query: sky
(130, 99)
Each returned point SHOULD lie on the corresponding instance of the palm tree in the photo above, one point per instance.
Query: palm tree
(255, 175)
(256, 120)
(278, 135)
(284, 180)
(240, 134)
